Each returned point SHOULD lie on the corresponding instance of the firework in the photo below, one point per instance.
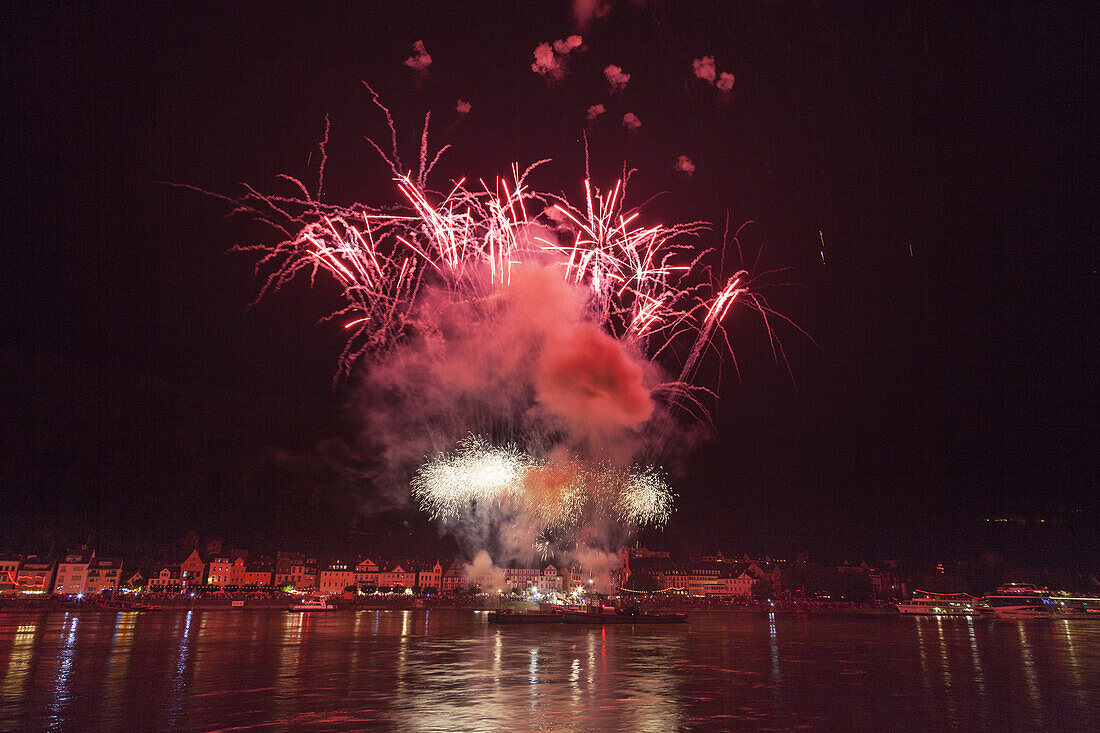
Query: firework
(436, 290)
(479, 478)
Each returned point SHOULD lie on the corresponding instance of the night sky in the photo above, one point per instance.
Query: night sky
(944, 154)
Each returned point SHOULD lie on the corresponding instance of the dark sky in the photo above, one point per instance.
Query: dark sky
(946, 155)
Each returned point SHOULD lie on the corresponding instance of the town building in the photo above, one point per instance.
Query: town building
(453, 579)
(522, 578)
(429, 577)
(713, 577)
(72, 573)
(549, 581)
(165, 579)
(221, 572)
(768, 572)
(36, 576)
(104, 574)
(311, 571)
(192, 571)
(366, 573)
(258, 573)
(335, 577)
(9, 572)
(397, 577)
(288, 569)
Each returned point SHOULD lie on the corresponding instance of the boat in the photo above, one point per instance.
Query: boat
(312, 604)
(1019, 601)
(925, 603)
(1075, 606)
(507, 616)
(619, 615)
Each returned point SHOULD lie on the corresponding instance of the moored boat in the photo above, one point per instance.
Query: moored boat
(313, 604)
(924, 603)
(1018, 601)
(1071, 606)
(613, 615)
(505, 616)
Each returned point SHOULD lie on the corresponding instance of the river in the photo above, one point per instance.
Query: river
(449, 670)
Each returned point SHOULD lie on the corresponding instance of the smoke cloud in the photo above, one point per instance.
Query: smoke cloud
(526, 368)
(550, 58)
(420, 60)
(599, 567)
(685, 165)
(616, 77)
(564, 45)
(704, 68)
(484, 572)
(462, 107)
(631, 121)
(595, 111)
(584, 11)
(585, 377)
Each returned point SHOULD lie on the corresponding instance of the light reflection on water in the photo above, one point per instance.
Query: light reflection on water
(450, 670)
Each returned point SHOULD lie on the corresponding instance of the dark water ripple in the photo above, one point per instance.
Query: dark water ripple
(448, 670)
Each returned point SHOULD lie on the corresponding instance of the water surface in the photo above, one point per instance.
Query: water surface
(449, 670)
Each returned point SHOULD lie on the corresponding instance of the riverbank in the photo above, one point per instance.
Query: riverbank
(149, 602)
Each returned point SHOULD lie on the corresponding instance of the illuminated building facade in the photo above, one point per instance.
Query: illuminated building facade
(72, 573)
(397, 575)
(335, 577)
(288, 569)
(366, 573)
(104, 574)
(430, 577)
(192, 570)
(35, 576)
(9, 571)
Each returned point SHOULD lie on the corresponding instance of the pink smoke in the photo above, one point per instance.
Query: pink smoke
(585, 10)
(631, 121)
(704, 68)
(616, 77)
(595, 111)
(462, 107)
(550, 59)
(565, 45)
(585, 376)
(420, 60)
(685, 165)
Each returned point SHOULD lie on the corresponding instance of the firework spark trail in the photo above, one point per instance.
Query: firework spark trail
(450, 298)
(380, 258)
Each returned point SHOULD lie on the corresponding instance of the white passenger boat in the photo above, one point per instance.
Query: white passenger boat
(1019, 601)
(924, 603)
(313, 604)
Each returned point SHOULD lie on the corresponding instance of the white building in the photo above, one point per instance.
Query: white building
(72, 573)
(549, 581)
